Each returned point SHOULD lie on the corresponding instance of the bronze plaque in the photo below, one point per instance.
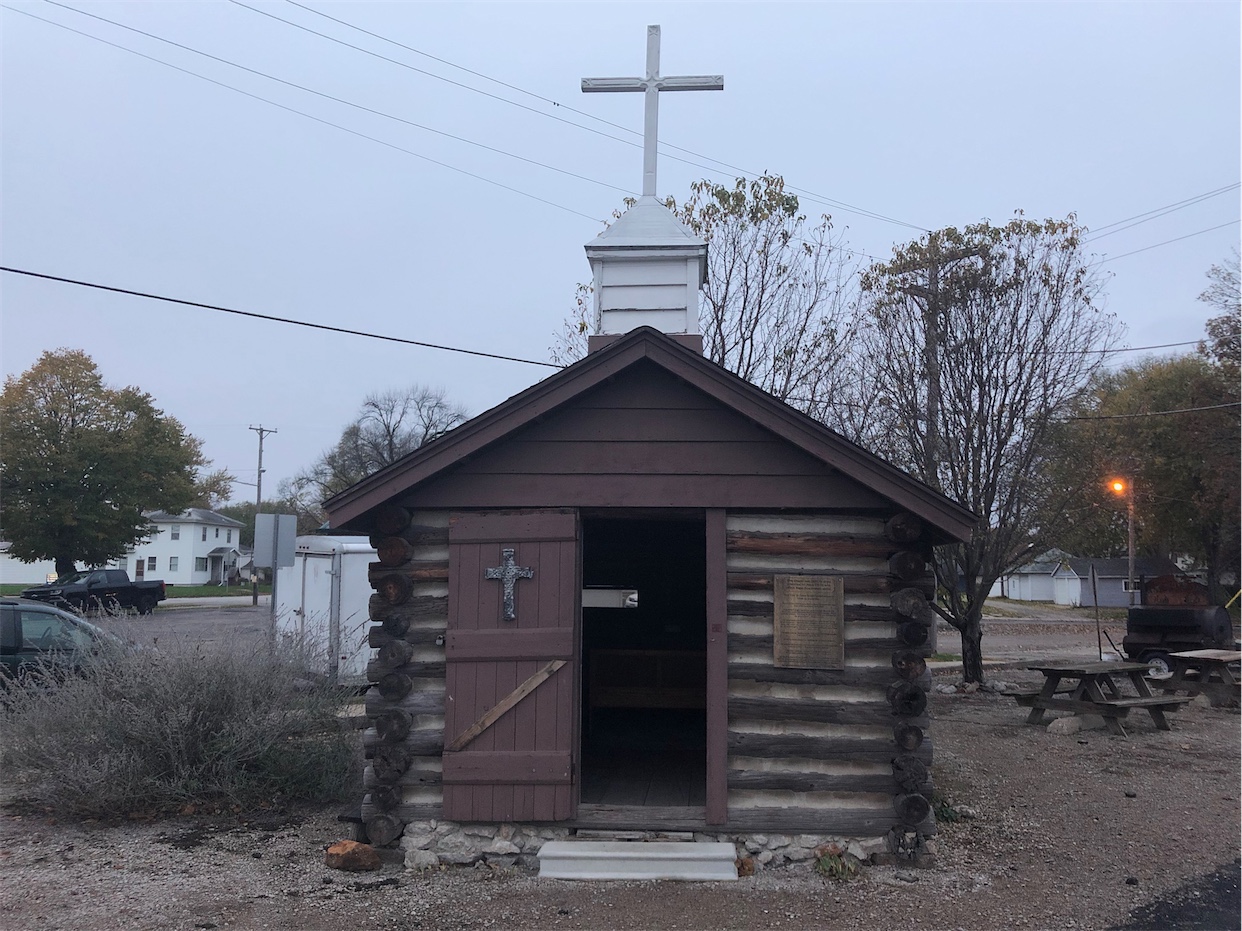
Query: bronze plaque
(809, 627)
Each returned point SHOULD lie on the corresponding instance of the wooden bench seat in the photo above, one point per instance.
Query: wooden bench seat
(1032, 693)
(1162, 702)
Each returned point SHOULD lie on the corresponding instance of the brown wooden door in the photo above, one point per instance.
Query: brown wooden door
(511, 722)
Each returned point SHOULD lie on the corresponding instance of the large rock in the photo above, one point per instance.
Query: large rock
(352, 856)
(459, 848)
(1075, 723)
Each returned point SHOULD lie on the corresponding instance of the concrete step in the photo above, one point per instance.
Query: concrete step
(572, 859)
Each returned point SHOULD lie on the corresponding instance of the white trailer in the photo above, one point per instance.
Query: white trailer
(321, 602)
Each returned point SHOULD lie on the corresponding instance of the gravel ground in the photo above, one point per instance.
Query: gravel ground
(1082, 831)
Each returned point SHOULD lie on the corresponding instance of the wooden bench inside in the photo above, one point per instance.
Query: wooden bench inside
(647, 679)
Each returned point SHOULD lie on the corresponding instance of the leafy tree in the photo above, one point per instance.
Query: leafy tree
(82, 461)
(309, 519)
(976, 341)
(213, 489)
(1183, 466)
(775, 307)
(389, 425)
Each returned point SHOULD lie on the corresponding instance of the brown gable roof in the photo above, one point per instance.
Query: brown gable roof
(951, 519)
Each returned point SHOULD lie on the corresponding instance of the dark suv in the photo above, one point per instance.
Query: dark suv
(33, 633)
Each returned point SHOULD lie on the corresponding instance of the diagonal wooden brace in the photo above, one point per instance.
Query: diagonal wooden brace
(497, 711)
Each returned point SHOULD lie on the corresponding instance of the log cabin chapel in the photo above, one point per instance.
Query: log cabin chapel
(644, 595)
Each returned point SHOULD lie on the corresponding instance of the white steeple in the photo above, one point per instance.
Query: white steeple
(648, 266)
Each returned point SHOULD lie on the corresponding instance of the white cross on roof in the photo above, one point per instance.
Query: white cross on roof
(651, 85)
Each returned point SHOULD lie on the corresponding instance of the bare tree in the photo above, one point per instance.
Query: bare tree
(1224, 342)
(389, 425)
(1017, 336)
(776, 307)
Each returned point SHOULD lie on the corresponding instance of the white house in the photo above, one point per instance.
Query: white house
(195, 547)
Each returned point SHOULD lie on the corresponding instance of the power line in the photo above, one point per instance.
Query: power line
(340, 100)
(810, 195)
(274, 319)
(317, 119)
(1183, 410)
(1167, 242)
(1160, 212)
(430, 74)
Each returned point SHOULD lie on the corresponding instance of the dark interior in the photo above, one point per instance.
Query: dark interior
(644, 668)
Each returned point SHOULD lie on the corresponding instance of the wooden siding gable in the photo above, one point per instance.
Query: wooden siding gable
(643, 439)
(947, 519)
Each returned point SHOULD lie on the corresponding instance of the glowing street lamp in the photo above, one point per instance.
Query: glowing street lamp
(1121, 486)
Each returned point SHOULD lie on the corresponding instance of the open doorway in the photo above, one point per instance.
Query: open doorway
(644, 694)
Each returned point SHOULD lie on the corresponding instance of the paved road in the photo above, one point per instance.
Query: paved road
(220, 622)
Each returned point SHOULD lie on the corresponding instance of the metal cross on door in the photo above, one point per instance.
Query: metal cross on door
(508, 573)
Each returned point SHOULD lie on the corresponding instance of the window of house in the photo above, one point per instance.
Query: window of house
(217, 533)
(150, 563)
(176, 532)
(228, 536)
(204, 534)
(200, 562)
(122, 564)
(172, 563)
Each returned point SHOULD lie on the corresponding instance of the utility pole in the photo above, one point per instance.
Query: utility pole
(1125, 486)
(258, 503)
(936, 262)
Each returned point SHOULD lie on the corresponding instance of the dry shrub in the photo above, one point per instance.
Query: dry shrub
(147, 731)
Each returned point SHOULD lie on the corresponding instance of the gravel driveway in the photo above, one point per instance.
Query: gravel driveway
(1072, 832)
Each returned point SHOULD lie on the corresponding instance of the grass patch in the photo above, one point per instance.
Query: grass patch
(838, 866)
(152, 732)
(944, 810)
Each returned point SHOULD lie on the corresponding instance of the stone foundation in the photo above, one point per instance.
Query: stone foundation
(429, 844)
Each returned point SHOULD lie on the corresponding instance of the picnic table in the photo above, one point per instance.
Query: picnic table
(1092, 688)
(1210, 672)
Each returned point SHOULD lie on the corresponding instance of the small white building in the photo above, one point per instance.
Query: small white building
(1033, 581)
(14, 571)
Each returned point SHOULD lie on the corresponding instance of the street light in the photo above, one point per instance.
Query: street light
(1121, 486)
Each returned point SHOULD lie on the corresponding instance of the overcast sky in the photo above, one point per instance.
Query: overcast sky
(123, 171)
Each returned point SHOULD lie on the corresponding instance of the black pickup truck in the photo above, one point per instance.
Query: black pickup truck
(99, 590)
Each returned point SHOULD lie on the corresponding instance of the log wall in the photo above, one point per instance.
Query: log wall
(824, 751)
(405, 704)
(841, 752)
